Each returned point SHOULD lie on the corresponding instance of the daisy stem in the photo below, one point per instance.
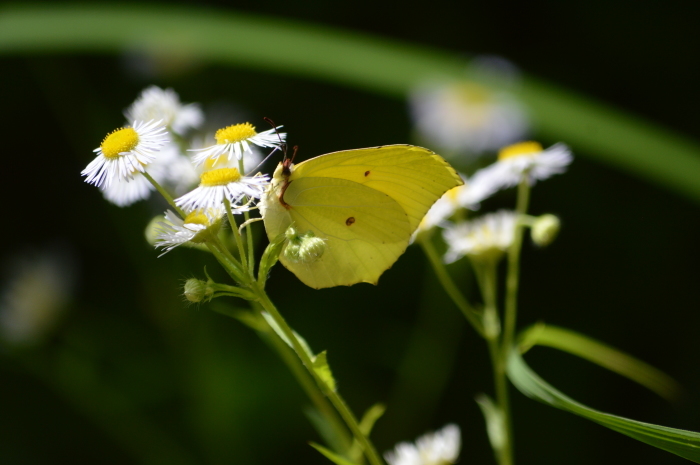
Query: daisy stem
(511, 309)
(339, 404)
(340, 433)
(249, 234)
(237, 235)
(231, 265)
(488, 284)
(446, 281)
(168, 198)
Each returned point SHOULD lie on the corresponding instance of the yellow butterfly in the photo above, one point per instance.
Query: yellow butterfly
(364, 204)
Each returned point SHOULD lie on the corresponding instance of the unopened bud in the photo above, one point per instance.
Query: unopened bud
(305, 248)
(153, 229)
(197, 290)
(545, 229)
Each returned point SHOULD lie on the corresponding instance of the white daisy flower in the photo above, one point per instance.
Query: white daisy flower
(464, 116)
(155, 103)
(128, 191)
(223, 183)
(469, 195)
(176, 231)
(237, 139)
(485, 238)
(125, 192)
(524, 158)
(438, 448)
(124, 152)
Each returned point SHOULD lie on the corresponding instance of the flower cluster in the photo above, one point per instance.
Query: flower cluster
(489, 236)
(158, 149)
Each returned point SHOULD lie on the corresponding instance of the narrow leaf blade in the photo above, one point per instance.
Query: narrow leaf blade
(680, 442)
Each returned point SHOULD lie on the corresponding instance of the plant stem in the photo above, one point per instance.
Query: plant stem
(339, 404)
(249, 235)
(488, 283)
(237, 235)
(452, 290)
(511, 308)
(166, 195)
(309, 386)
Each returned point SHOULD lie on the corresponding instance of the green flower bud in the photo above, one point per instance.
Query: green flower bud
(311, 248)
(153, 229)
(197, 290)
(306, 248)
(545, 229)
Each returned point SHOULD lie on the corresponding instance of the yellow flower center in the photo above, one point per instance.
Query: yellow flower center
(197, 217)
(235, 133)
(470, 93)
(119, 141)
(521, 148)
(219, 177)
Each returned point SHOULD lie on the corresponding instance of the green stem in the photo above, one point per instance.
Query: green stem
(237, 235)
(488, 283)
(249, 235)
(166, 195)
(334, 397)
(310, 388)
(514, 268)
(448, 284)
(511, 309)
(228, 261)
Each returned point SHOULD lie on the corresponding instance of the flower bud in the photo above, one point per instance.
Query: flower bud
(197, 290)
(154, 229)
(306, 248)
(545, 229)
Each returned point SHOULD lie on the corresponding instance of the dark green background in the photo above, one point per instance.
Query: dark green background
(624, 269)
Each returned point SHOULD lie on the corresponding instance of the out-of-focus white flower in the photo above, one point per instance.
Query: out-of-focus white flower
(524, 158)
(469, 195)
(124, 152)
(155, 103)
(175, 231)
(438, 448)
(463, 116)
(485, 238)
(33, 299)
(223, 183)
(237, 139)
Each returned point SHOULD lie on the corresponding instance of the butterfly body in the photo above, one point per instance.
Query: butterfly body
(363, 203)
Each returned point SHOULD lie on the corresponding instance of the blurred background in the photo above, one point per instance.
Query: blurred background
(111, 365)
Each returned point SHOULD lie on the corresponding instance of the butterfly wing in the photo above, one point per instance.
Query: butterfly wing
(413, 176)
(364, 203)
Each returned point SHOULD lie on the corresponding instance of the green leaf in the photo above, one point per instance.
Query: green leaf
(270, 257)
(323, 370)
(273, 324)
(680, 442)
(370, 417)
(325, 429)
(494, 422)
(366, 424)
(604, 356)
(350, 58)
(333, 457)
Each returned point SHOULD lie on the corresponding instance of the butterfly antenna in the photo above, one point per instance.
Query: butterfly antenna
(283, 145)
